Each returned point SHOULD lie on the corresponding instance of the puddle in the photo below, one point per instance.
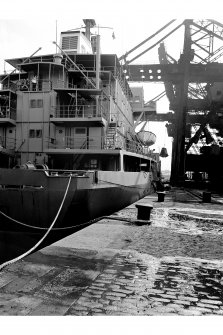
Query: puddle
(199, 284)
(188, 221)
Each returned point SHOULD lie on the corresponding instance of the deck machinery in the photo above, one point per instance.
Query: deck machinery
(194, 88)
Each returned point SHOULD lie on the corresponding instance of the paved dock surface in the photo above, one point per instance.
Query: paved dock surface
(115, 267)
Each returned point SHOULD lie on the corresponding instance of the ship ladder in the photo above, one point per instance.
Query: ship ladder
(110, 138)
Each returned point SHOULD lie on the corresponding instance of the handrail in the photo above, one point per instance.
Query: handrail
(98, 143)
(7, 143)
(79, 111)
(7, 112)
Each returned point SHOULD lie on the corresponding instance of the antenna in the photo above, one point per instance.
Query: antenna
(101, 27)
(56, 36)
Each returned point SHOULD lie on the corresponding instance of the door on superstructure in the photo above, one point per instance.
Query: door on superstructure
(95, 138)
(80, 138)
(3, 137)
(69, 141)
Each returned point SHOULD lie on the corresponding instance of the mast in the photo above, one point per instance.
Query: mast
(98, 61)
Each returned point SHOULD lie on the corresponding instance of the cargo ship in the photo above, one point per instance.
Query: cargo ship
(69, 150)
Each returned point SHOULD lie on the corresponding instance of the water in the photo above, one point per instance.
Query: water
(186, 233)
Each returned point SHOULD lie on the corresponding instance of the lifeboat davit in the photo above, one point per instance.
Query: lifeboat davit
(147, 137)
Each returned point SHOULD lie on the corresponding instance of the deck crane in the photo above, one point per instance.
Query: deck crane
(194, 87)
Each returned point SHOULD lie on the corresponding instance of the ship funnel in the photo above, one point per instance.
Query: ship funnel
(89, 23)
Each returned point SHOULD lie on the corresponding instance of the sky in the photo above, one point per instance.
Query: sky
(25, 27)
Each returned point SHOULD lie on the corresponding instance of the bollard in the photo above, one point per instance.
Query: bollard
(206, 197)
(144, 211)
(161, 196)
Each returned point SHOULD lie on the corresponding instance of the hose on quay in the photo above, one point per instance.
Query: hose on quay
(45, 235)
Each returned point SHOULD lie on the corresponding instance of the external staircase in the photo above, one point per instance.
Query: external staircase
(111, 135)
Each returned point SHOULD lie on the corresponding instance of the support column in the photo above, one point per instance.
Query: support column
(121, 161)
(178, 149)
(98, 69)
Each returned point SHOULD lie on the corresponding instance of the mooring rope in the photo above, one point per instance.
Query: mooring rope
(43, 238)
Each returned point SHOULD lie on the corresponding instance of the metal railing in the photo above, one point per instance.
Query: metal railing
(28, 85)
(7, 112)
(9, 86)
(38, 85)
(79, 111)
(98, 143)
(77, 142)
(7, 143)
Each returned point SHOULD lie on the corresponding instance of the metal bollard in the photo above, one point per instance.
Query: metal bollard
(206, 197)
(161, 196)
(144, 211)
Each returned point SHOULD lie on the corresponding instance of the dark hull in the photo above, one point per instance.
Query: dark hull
(34, 209)
(87, 199)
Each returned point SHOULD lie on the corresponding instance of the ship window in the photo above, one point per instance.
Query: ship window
(32, 133)
(93, 164)
(35, 133)
(39, 103)
(36, 103)
(80, 131)
(32, 103)
(38, 133)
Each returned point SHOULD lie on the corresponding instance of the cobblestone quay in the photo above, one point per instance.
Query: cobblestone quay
(172, 266)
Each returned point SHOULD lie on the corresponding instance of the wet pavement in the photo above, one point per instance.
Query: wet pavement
(172, 266)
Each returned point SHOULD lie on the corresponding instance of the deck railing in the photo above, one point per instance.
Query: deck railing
(77, 142)
(9, 86)
(7, 143)
(97, 143)
(79, 111)
(7, 112)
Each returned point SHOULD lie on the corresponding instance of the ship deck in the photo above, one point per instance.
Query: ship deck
(115, 267)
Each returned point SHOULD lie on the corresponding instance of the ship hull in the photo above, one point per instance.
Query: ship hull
(30, 200)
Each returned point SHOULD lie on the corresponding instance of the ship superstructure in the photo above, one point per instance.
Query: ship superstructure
(54, 109)
(70, 115)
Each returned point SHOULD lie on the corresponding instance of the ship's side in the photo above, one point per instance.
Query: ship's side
(30, 200)
(67, 118)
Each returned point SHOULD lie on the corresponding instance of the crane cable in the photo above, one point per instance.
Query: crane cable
(45, 235)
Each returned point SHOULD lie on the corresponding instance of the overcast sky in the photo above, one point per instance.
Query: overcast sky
(24, 27)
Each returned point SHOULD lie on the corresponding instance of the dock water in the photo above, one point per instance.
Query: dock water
(172, 266)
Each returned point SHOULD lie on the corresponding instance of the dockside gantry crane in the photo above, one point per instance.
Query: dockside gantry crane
(194, 88)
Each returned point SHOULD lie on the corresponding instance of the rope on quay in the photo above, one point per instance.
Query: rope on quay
(43, 238)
